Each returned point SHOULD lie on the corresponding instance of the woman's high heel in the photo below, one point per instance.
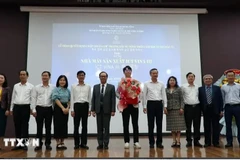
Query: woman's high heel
(178, 144)
(173, 144)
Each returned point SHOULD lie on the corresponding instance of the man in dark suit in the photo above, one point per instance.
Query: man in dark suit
(104, 106)
(211, 102)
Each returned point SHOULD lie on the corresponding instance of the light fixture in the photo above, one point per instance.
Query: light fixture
(114, 10)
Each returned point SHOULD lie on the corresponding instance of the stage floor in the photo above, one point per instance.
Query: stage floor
(116, 150)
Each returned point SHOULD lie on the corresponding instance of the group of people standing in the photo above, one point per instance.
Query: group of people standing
(183, 107)
(186, 105)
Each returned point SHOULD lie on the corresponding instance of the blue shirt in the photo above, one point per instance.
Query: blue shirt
(231, 93)
(62, 94)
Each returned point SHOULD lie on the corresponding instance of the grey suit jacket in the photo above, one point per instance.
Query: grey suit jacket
(174, 99)
(109, 99)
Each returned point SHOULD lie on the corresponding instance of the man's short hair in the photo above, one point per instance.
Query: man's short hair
(81, 72)
(207, 76)
(49, 74)
(230, 71)
(189, 74)
(153, 69)
(127, 67)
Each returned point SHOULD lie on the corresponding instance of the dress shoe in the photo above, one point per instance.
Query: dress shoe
(197, 144)
(228, 145)
(160, 146)
(25, 148)
(216, 145)
(58, 147)
(189, 144)
(206, 145)
(178, 145)
(16, 148)
(151, 146)
(174, 144)
(105, 146)
(63, 146)
(38, 148)
(100, 147)
(76, 147)
(83, 146)
(48, 147)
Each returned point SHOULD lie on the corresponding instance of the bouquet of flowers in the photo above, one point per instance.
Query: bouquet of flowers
(223, 79)
(129, 90)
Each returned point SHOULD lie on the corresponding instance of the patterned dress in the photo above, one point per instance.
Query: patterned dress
(175, 121)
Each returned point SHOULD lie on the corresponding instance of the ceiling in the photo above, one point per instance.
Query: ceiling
(128, 3)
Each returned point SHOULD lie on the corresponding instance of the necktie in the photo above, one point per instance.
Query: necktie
(209, 95)
(101, 95)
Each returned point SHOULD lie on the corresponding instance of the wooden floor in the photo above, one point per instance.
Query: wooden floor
(116, 150)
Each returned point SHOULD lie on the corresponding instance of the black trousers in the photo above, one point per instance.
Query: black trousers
(154, 111)
(133, 112)
(230, 111)
(81, 113)
(3, 121)
(192, 114)
(44, 115)
(103, 128)
(60, 122)
(211, 126)
(21, 116)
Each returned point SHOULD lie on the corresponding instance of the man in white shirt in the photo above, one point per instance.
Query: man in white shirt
(42, 109)
(80, 109)
(20, 107)
(192, 110)
(154, 99)
(231, 99)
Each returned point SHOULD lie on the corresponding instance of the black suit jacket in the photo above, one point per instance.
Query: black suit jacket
(217, 100)
(6, 98)
(109, 99)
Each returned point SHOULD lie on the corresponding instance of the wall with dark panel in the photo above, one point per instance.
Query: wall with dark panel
(219, 43)
(13, 48)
